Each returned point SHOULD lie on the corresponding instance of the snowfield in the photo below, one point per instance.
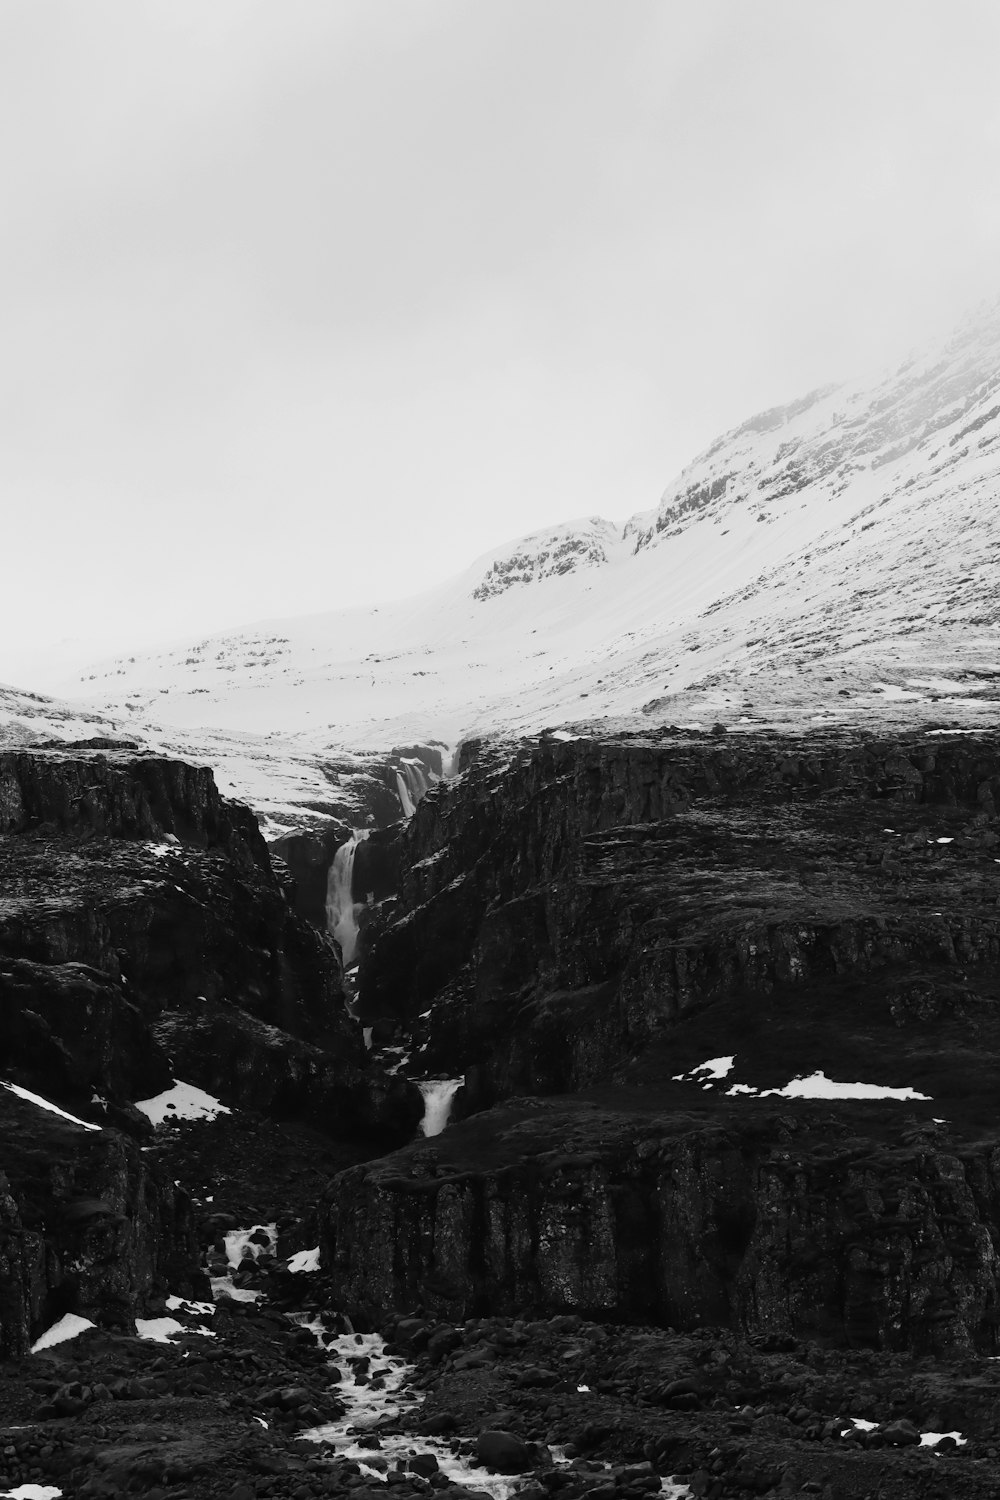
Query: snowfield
(832, 561)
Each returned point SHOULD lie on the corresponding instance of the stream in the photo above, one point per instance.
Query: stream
(374, 1388)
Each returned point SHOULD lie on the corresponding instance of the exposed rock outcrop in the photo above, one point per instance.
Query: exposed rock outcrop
(131, 889)
(86, 1226)
(784, 1224)
(604, 917)
(563, 908)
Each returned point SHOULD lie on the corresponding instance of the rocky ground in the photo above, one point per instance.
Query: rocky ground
(586, 1407)
(624, 1266)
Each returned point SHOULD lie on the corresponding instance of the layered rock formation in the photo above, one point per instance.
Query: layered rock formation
(86, 1227)
(774, 1224)
(563, 906)
(144, 937)
(603, 917)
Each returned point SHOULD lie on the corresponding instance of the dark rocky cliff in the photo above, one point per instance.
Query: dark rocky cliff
(144, 937)
(592, 921)
(139, 914)
(793, 1225)
(563, 906)
(86, 1226)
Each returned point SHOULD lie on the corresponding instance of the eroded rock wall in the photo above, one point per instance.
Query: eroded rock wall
(783, 1228)
(86, 1226)
(560, 906)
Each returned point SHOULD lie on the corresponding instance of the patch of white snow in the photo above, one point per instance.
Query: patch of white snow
(162, 1330)
(715, 1067)
(69, 1326)
(15, 1088)
(304, 1260)
(184, 1101)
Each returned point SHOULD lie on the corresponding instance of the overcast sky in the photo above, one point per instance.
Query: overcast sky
(308, 302)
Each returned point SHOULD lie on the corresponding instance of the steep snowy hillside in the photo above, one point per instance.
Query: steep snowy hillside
(834, 558)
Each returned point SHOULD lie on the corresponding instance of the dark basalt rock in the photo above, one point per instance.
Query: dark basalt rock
(145, 937)
(86, 1226)
(123, 795)
(561, 909)
(784, 1225)
(605, 916)
(129, 888)
(236, 1056)
(308, 856)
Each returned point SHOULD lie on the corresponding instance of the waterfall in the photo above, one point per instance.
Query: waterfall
(438, 1094)
(449, 761)
(412, 781)
(405, 800)
(341, 908)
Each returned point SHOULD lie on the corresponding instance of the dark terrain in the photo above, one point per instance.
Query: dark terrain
(672, 1279)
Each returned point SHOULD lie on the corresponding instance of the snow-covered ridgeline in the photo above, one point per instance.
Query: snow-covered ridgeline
(341, 908)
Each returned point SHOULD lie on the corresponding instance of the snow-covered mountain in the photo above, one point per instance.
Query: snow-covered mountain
(830, 559)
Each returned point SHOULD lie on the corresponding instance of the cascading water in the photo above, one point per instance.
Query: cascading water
(341, 908)
(412, 781)
(449, 761)
(438, 1094)
(415, 776)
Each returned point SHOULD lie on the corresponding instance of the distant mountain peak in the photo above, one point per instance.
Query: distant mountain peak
(556, 550)
(826, 561)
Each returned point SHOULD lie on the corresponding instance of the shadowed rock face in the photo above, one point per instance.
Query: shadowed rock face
(564, 909)
(592, 921)
(145, 937)
(86, 1226)
(783, 1224)
(110, 919)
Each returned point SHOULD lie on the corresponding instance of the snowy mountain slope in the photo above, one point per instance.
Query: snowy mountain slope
(834, 558)
(288, 787)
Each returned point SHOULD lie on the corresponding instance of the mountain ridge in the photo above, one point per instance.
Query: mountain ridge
(827, 560)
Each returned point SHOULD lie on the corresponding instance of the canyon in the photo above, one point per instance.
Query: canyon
(541, 1037)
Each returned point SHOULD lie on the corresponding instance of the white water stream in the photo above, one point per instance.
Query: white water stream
(412, 781)
(373, 1389)
(341, 908)
(438, 1095)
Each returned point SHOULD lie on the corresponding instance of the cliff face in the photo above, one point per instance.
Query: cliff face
(780, 1225)
(132, 893)
(590, 922)
(563, 909)
(86, 1226)
(144, 937)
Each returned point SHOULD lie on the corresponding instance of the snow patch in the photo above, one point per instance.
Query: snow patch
(32, 1492)
(818, 1086)
(715, 1067)
(184, 1101)
(163, 1330)
(26, 1094)
(69, 1326)
(202, 1309)
(304, 1260)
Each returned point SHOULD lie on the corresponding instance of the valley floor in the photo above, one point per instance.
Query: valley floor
(595, 1409)
(630, 949)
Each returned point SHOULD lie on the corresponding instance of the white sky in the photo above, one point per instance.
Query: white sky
(309, 302)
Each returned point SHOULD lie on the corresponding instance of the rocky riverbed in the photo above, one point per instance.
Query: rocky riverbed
(267, 1390)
